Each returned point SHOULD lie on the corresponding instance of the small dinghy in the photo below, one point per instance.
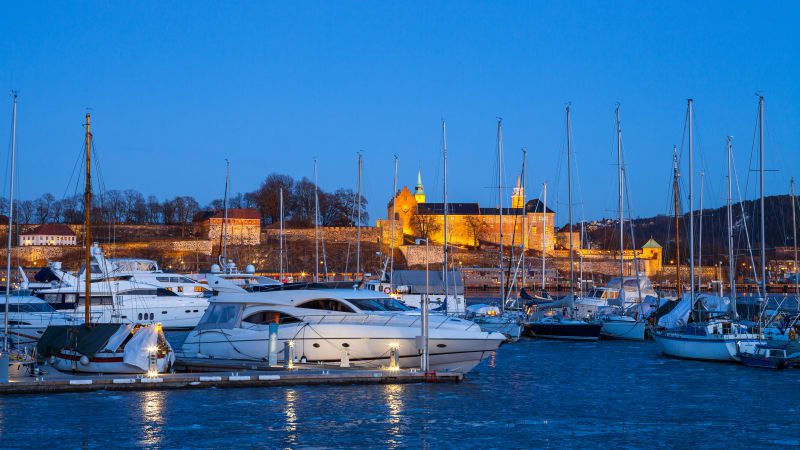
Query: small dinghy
(107, 348)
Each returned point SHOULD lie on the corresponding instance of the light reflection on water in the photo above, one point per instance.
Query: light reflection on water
(152, 404)
(534, 394)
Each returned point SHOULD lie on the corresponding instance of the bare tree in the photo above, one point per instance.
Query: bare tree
(43, 207)
(425, 226)
(477, 229)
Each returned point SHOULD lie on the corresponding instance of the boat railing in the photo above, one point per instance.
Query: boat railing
(397, 320)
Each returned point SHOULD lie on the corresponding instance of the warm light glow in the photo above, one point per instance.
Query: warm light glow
(152, 349)
(152, 373)
(394, 345)
(291, 343)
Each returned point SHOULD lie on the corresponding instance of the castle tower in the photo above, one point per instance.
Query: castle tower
(518, 196)
(419, 192)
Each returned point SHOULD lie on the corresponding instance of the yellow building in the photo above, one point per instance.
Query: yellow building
(468, 224)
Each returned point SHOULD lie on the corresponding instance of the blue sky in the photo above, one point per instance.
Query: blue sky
(176, 87)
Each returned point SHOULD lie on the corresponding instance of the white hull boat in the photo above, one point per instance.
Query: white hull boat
(715, 341)
(622, 327)
(236, 327)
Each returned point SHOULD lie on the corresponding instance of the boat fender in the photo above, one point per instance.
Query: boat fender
(84, 360)
(387, 290)
(792, 335)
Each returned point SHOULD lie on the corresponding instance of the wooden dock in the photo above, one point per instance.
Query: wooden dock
(61, 382)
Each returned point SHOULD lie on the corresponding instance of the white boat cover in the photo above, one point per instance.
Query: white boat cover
(137, 351)
(484, 309)
(714, 303)
(118, 338)
(679, 315)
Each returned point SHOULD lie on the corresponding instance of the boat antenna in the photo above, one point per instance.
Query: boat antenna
(280, 235)
(10, 227)
(358, 244)
(316, 224)
(87, 226)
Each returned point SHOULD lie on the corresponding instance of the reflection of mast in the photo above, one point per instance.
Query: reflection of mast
(676, 206)
(86, 227)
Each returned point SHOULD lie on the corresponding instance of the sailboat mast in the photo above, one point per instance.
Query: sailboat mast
(620, 188)
(316, 225)
(225, 217)
(500, 202)
(524, 240)
(569, 200)
(10, 222)
(358, 244)
(731, 261)
(391, 247)
(761, 183)
(280, 236)
(87, 313)
(676, 207)
(444, 171)
(700, 238)
(794, 239)
(691, 208)
(544, 232)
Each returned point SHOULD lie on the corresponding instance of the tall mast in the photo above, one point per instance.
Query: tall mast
(544, 231)
(358, 244)
(316, 225)
(280, 236)
(524, 239)
(391, 247)
(500, 202)
(225, 217)
(444, 164)
(87, 314)
(620, 188)
(731, 261)
(691, 208)
(676, 207)
(761, 182)
(10, 223)
(794, 239)
(700, 238)
(569, 200)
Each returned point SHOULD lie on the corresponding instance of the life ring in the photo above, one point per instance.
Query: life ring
(387, 290)
(792, 334)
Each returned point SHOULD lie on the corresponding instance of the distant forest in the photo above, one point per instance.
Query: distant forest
(336, 208)
(777, 221)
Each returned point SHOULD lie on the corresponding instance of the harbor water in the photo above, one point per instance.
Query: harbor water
(533, 393)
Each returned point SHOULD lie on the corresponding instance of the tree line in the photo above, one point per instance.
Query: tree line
(337, 208)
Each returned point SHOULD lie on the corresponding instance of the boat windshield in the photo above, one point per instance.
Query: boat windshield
(380, 304)
(29, 307)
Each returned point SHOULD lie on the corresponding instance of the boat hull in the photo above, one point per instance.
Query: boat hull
(569, 332)
(704, 348)
(623, 329)
(69, 361)
(329, 344)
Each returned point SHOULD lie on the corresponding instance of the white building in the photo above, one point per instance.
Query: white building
(49, 234)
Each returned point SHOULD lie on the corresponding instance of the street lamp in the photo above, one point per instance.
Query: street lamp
(424, 305)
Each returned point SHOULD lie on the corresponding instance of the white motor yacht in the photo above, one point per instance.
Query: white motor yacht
(28, 317)
(324, 329)
(126, 301)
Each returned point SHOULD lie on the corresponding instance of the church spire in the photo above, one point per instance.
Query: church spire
(419, 192)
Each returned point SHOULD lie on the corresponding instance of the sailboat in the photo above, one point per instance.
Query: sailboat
(13, 363)
(622, 321)
(503, 319)
(103, 347)
(720, 336)
(548, 323)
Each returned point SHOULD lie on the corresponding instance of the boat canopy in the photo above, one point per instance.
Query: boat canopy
(84, 340)
(414, 280)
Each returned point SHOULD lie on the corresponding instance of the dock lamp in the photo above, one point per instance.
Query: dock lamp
(424, 306)
(394, 356)
(152, 361)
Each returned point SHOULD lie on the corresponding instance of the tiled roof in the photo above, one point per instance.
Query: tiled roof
(51, 229)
